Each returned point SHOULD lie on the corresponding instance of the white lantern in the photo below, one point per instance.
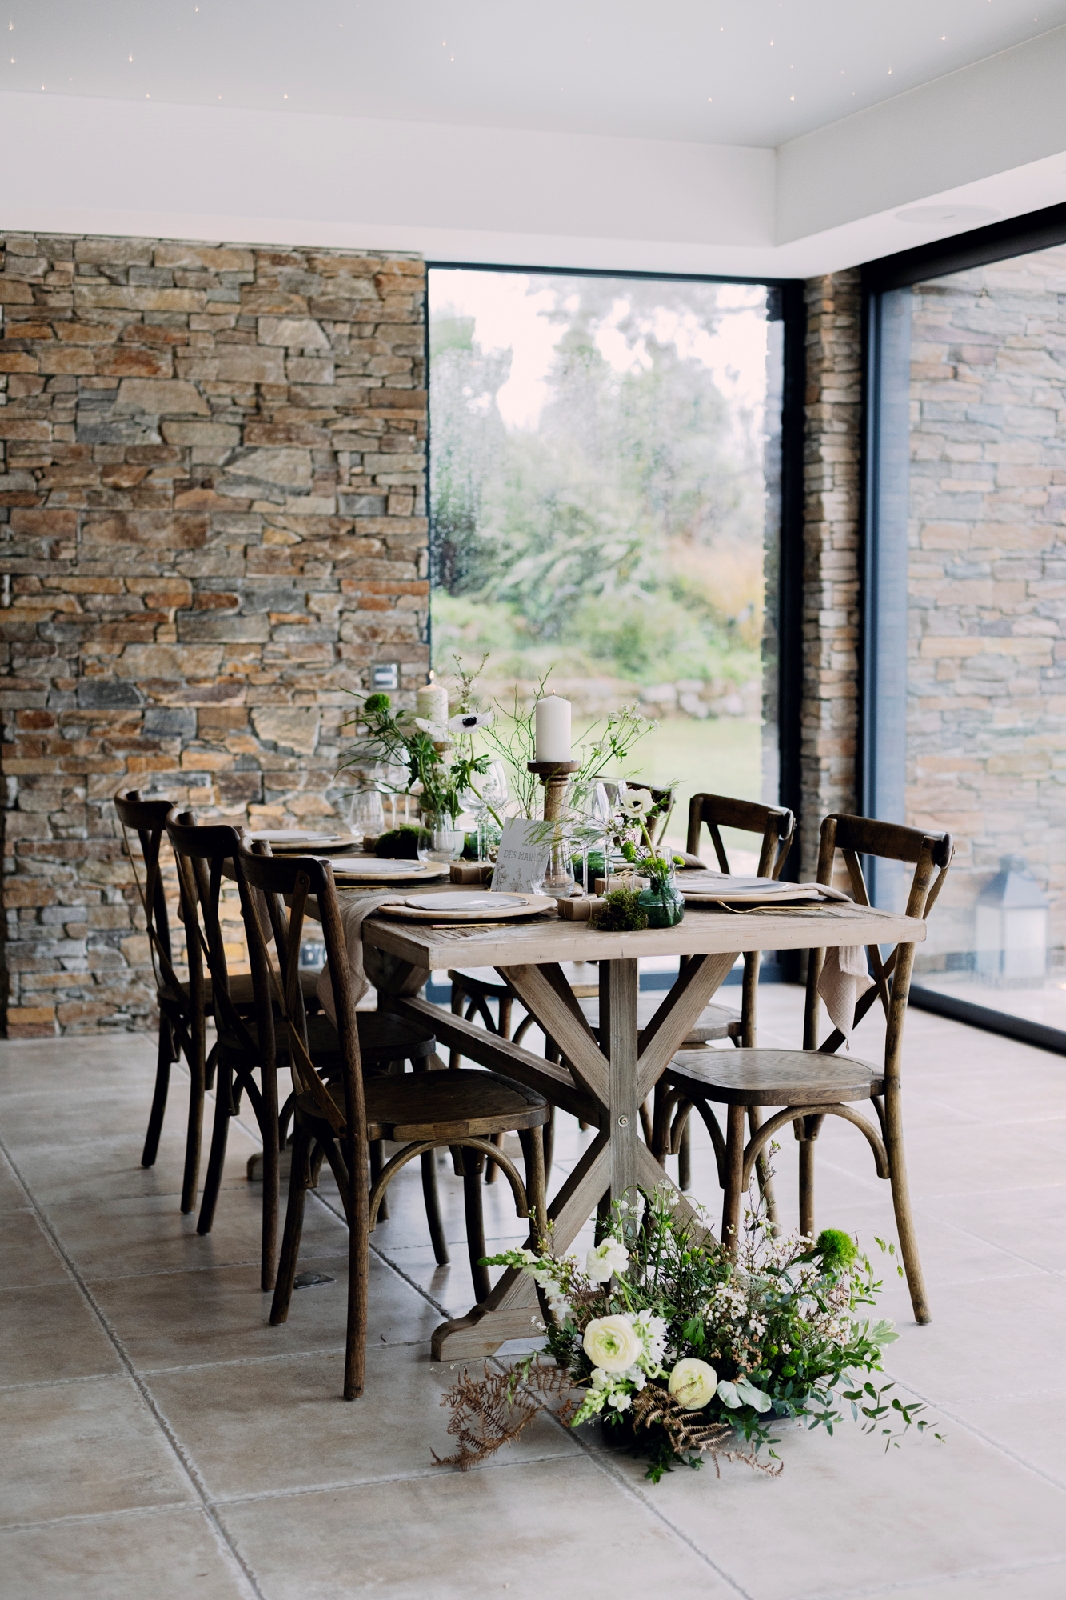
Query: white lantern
(1011, 930)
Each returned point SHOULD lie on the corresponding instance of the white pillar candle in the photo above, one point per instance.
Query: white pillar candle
(552, 729)
(431, 704)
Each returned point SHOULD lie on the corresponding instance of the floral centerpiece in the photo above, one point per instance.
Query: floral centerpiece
(683, 1351)
(434, 761)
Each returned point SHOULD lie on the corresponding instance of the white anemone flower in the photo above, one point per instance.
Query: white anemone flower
(635, 803)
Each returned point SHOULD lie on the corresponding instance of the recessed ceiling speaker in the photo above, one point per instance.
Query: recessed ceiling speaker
(937, 216)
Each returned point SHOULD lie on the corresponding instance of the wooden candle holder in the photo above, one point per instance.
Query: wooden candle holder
(554, 775)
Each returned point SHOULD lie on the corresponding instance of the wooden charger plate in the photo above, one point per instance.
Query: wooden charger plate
(469, 905)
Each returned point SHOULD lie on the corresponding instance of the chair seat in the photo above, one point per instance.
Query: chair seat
(774, 1077)
(444, 1105)
(713, 1022)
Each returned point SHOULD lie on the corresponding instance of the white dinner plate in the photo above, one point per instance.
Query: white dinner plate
(469, 905)
(301, 841)
(375, 869)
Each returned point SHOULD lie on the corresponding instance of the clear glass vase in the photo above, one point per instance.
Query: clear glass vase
(439, 839)
(558, 879)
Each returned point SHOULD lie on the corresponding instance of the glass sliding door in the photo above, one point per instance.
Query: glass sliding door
(966, 618)
(604, 457)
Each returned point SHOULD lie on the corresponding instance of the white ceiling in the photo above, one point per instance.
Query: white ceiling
(738, 72)
(656, 135)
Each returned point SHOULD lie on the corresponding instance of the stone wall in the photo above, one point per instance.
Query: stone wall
(212, 487)
(831, 566)
(986, 721)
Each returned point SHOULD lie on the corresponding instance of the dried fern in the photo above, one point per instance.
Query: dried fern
(490, 1411)
(656, 1407)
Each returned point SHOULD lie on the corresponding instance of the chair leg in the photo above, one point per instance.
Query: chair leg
(684, 1158)
(901, 1203)
(532, 1141)
(549, 1143)
(299, 1177)
(763, 1170)
(491, 1168)
(271, 1177)
(209, 1071)
(376, 1164)
(194, 1131)
(455, 1059)
(358, 1266)
(216, 1160)
(734, 1179)
(164, 1057)
(473, 1162)
(432, 1200)
(807, 1130)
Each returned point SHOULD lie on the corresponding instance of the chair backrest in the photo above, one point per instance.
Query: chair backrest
(266, 884)
(148, 819)
(202, 853)
(775, 825)
(930, 853)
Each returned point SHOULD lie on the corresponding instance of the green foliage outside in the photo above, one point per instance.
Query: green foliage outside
(622, 536)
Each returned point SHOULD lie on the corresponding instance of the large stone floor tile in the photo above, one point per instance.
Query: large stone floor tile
(550, 1528)
(167, 1555)
(1037, 1581)
(177, 1319)
(48, 1333)
(1029, 1222)
(72, 1449)
(12, 1194)
(110, 1166)
(846, 1519)
(964, 1160)
(1030, 1423)
(282, 1424)
(27, 1255)
(986, 1339)
(115, 1238)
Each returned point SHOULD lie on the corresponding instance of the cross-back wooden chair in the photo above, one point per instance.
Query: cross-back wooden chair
(814, 1082)
(338, 1111)
(182, 1028)
(203, 854)
(774, 827)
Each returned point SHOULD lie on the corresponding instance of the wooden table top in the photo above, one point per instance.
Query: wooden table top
(702, 932)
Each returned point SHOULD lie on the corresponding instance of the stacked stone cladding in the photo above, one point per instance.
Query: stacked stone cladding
(212, 513)
(831, 555)
(986, 723)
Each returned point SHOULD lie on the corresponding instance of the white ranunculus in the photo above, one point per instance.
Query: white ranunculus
(607, 1259)
(612, 1343)
(693, 1383)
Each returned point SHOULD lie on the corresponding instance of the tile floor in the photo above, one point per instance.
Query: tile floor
(161, 1441)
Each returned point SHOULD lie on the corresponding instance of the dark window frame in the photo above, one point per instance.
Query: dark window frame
(1001, 241)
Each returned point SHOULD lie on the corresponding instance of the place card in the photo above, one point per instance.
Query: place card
(520, 861)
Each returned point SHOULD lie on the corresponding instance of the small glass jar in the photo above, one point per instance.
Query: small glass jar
(439, 839)
(663, 901)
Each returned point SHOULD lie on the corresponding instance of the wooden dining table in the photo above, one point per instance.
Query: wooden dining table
(603, 1081)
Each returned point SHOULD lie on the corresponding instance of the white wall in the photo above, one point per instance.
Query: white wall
(992, 134)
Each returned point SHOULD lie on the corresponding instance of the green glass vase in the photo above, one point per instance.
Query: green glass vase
(663, 902)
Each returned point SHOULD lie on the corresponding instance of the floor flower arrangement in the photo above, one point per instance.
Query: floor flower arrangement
(684, 1352)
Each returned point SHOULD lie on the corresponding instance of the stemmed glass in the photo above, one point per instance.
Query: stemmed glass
(491, 796)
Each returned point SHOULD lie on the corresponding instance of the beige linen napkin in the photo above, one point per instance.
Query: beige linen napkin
(843, 980)
(353, 909)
